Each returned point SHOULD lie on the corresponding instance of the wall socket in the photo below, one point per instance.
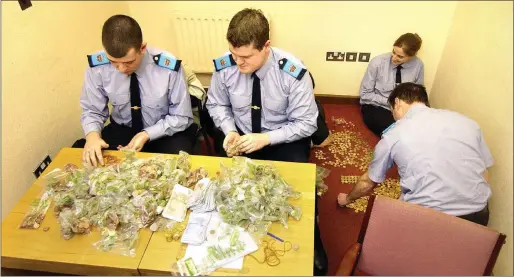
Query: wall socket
(335, 56)
(351, 56)
(42, 166)
(364, 57)
(347, 56)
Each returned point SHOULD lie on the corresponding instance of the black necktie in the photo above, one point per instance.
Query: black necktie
(135, 104)
(398, 74)
(256, 104)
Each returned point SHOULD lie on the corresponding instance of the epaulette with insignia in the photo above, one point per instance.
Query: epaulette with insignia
(388, 128)
(223, 62)
(97, 59)
(291, 68)
(167, 62)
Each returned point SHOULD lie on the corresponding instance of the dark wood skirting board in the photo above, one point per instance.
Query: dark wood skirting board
(337, 99)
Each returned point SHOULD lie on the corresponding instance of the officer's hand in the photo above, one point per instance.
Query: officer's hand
(229, 143)
(342, 199)
(137, 142)
(252, 142)
(93, 149)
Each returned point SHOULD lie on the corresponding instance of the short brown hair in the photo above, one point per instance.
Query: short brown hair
(120, 33)
(410, 93)
(247, 27)
(410, 43)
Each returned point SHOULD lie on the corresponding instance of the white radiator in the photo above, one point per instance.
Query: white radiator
(198, 39)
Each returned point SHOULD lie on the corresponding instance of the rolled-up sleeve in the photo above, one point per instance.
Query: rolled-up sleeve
(93, 102)
(218, 105)
(302, 113)
(180, 114)
(381, 162)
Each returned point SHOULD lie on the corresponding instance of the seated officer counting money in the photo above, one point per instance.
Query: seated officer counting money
(263, 101)
(151, 107)
(261, 96)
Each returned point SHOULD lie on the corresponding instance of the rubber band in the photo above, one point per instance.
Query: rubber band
(271, 255)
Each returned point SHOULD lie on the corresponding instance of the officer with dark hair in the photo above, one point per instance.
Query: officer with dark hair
(151, 107)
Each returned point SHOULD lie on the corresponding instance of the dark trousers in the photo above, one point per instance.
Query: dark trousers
(115, 134)
(320, 256)
(217, 135)
(480, 217)
(322, 132)
(377, 119)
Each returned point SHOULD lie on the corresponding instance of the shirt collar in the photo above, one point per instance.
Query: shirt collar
(261, 72)
(414, 109)
(147, 59)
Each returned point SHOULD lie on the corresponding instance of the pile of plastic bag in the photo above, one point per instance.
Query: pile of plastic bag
(253, 195)
(126, 195)
(119, 198)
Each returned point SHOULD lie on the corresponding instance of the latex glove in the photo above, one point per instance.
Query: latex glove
(137, 142)
(230, 142)
(252, 142)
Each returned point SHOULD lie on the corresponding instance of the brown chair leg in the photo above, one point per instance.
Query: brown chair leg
(349, 260)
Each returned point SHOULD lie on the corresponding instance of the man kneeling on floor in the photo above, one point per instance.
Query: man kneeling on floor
(441, 155)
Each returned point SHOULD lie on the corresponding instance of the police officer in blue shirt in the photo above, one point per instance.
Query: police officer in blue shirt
(384, 72)
(151, 108)
(441, 155)
(263, 101)
(260, 96)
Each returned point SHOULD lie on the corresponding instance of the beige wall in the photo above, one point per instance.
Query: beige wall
(43, 61)
(475, 78)
(310, 29)
(44, 48)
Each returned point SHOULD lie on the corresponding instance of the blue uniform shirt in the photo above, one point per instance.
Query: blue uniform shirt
(288, 109)
(166, 106)
(440, 155)
(380, 79)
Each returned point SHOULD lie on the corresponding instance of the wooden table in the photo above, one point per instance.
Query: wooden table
(48, 251)
(160, 254)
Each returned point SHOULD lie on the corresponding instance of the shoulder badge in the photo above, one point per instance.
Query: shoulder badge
(388, 128)
(295, 70)
(167, 62)
(97, 59)
(223, 62)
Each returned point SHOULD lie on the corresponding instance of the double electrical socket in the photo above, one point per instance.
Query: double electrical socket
(347, 56)
(42, 166)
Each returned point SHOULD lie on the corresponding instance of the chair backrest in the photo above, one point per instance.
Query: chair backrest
(400, 238)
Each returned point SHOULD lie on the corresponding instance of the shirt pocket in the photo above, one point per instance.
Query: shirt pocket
(154, 108)
(275, 111)
(241, 106)
(120, 106)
